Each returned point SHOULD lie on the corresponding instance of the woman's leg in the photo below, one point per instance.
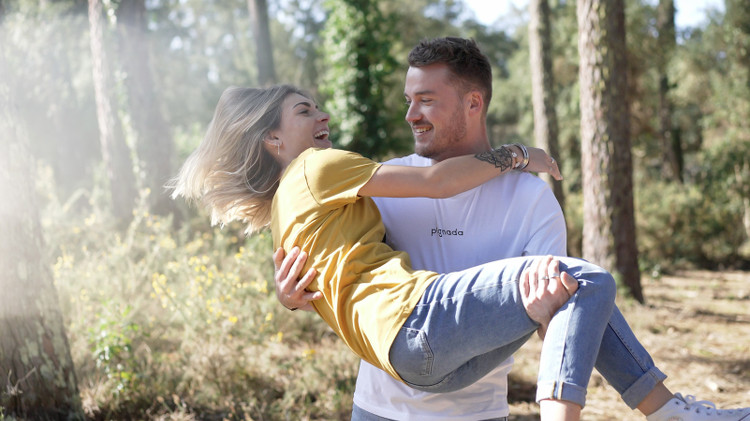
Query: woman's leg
(625, 363)
(454, 325)
(559, 410)
(469, 321)
(572, 342)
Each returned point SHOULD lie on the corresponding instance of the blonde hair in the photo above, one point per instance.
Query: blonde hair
(231, 173)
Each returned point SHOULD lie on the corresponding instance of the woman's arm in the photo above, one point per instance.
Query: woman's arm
(455, 175)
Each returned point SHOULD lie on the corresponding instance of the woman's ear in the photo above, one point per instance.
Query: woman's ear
(273, 142)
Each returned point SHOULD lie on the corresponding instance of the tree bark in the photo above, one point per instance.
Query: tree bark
(670, 147)
(738, 24)
(115, 152)
(36, 369)
(263, 48)
(543, 87)
(74, 148)
(608, 212)
(153, 137)
(741, 170)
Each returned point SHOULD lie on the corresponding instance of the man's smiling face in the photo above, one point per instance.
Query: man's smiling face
(436, 110)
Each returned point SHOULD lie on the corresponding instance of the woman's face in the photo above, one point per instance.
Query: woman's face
(303, 126)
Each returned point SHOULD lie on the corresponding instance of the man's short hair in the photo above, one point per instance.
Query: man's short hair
(469, 67)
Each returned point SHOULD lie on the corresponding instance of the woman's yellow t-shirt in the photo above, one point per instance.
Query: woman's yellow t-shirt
(368, 288)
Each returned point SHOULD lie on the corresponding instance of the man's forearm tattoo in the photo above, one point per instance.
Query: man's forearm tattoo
(500, 157)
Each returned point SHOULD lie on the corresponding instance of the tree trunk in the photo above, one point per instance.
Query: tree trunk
(738, 24)
(608, 214)
(74, 148)
(671, 167)
(153, 137)
(115, 152)
(36, 369)
(543, 87)
(740, 175)
(262, 34)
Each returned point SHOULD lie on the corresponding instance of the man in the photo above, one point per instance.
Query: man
(512, 215)
(448, 89)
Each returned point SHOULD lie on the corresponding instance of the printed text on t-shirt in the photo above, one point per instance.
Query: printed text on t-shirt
(441, 232)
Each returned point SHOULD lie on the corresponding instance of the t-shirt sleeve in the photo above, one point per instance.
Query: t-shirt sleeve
(335, 176)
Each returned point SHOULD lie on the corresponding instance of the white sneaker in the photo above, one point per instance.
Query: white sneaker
(689, 409)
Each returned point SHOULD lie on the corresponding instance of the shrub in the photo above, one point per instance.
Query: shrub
(681, 226)
(185, 323)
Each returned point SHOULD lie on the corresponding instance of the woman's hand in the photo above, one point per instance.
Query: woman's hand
(290, 289)
(544, 290)
(541, 162)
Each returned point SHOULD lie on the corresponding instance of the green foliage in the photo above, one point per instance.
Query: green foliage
(4, 417)
(186, 322)
(357, 42)
(112, 338)
(683, 226)
(726, 172)
(574, 222)
(511, 115)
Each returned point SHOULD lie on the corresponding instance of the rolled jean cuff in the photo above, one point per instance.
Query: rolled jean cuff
(635, 394)
(562, 392)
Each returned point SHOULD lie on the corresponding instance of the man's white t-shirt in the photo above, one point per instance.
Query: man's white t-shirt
(513, 215)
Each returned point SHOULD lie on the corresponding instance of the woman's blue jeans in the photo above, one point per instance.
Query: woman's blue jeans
(468, 322)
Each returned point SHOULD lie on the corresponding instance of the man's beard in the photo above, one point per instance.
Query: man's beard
(451, 134)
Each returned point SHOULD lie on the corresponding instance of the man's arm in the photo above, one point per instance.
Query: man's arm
(290, 289)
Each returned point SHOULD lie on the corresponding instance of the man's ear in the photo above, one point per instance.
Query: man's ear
(475, 102)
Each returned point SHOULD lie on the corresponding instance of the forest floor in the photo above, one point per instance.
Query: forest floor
(696, 325)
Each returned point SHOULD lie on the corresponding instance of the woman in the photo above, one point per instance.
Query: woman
(266, 160)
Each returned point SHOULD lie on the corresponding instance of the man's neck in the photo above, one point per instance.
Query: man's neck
(465, 147)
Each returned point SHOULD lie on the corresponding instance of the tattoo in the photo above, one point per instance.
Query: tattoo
(499, 157)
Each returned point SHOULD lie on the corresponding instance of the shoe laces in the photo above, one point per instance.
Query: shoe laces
(693, 404)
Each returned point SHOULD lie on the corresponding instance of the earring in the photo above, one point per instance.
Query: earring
(274, 140)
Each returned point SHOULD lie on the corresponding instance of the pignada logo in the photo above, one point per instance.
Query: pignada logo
(443, 232)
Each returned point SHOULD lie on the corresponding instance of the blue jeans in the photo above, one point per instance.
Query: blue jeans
(470, 321)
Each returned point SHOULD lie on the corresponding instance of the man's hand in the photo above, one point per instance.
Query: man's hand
(544, 290)
(290, 289)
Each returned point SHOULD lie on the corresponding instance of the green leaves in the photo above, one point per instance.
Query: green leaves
(112, 342)
(357, 41)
